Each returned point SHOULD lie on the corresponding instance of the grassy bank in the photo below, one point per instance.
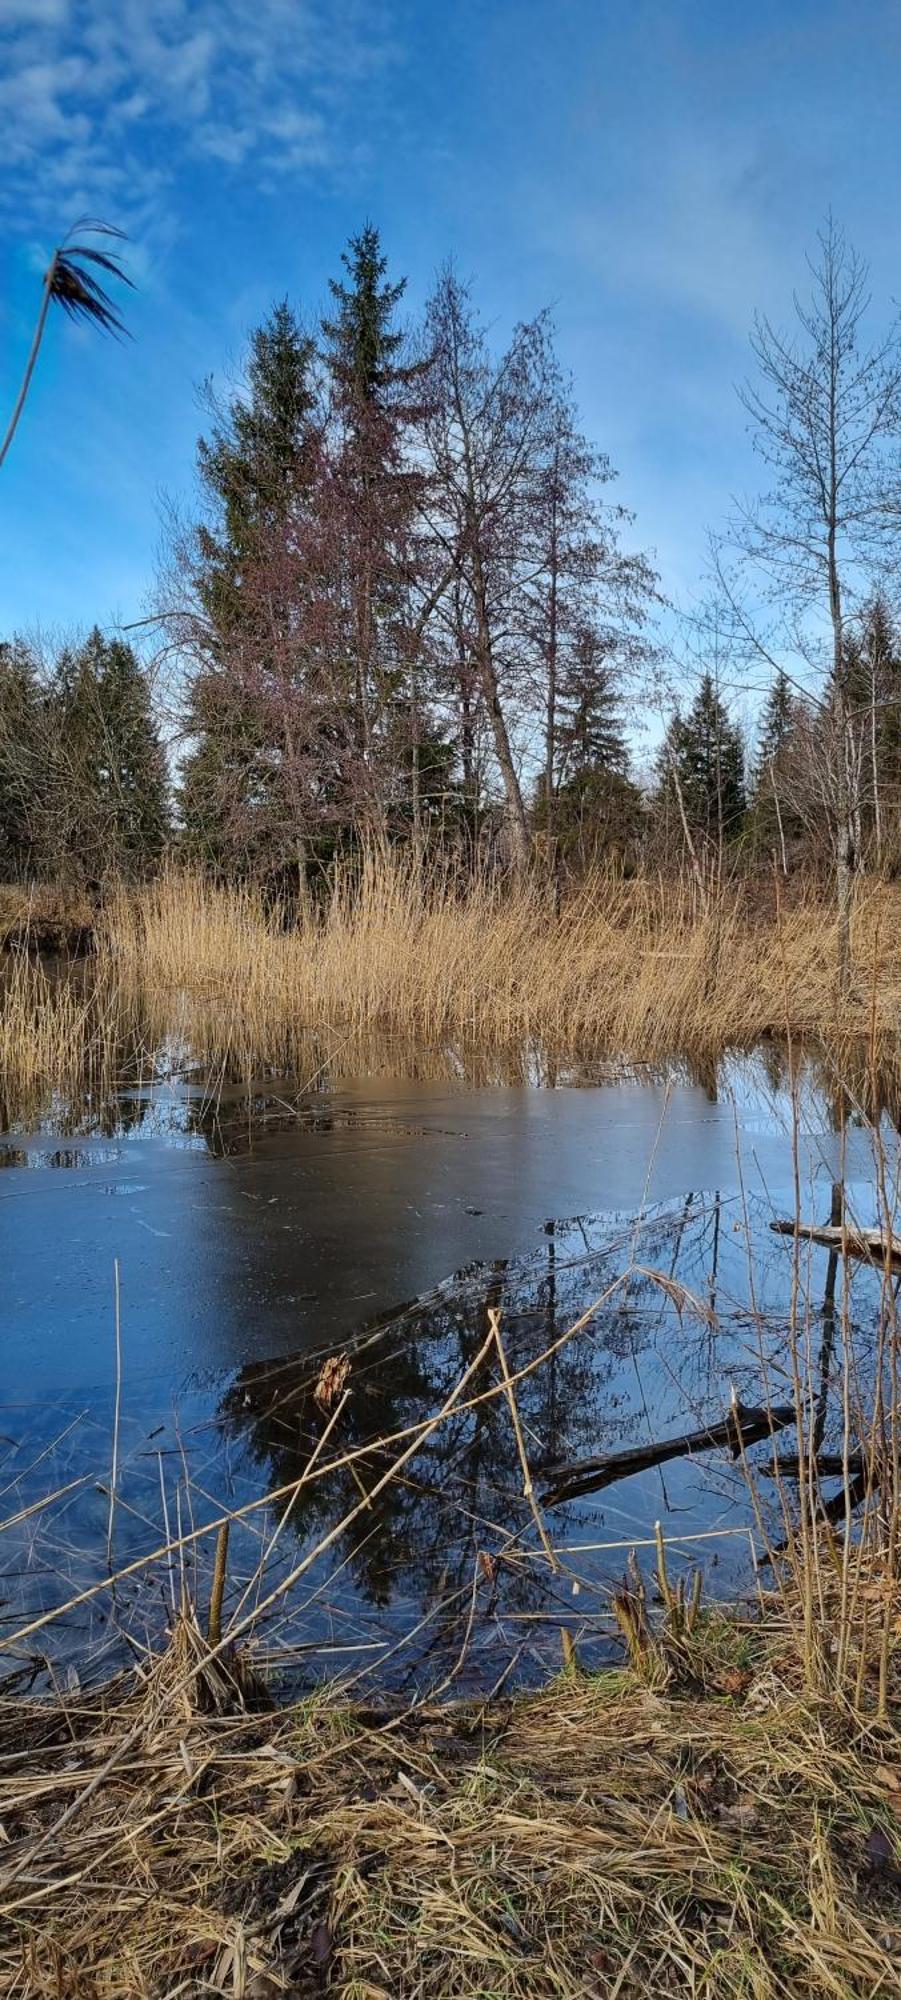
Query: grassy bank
(719, 1832)
(639, 968)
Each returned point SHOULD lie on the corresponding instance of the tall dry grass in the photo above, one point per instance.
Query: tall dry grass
(632, 968)
(61, 1038)
(595, 1840)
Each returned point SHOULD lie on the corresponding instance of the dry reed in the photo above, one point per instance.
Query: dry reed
(632, 968)
(600, 1838)
(60, 1037)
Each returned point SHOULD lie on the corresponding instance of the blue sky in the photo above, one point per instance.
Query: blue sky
(655, 171)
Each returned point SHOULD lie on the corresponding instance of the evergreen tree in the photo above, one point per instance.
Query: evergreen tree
(255, 463)
(110, 768)
(375, 403)
(23, 763)
(702, 767)
(776, 724)
(597, 808)
(363, 342)
(590, 733)
(775, 819)
(879, 717)
(258, 470)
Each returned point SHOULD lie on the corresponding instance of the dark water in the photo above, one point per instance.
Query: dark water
(254, 1235)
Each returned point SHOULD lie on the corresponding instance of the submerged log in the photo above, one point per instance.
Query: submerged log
(742, 1427)
(873, 1244)
(827, 1465)
(838, 1508)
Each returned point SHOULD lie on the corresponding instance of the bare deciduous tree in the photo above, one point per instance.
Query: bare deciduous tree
(487, 434)
(825, 414)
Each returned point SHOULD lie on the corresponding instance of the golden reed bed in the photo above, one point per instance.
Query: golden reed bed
(635, 970)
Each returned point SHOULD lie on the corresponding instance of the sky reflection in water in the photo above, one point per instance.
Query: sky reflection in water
(254, 1235)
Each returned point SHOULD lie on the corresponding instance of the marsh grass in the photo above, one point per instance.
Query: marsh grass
(406, 967)
(635, 968)
(64, 1038)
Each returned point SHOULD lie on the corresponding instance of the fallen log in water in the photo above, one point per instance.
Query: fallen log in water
(838, 1508)
(743, 1426)
(827, 1465)
(874, 1244)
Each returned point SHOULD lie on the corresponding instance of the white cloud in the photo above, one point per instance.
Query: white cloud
(27, 13)
(110, 98)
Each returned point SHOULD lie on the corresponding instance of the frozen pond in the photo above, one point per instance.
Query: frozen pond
(255, 1232)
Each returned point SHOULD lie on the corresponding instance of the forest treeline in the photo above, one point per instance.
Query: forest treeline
(405, 609)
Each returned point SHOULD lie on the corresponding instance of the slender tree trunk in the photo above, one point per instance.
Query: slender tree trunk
(550, 741)
(874, 754)
(415, 772)
(778, 816)
(514, 808)
(845, 857)
(691, 849)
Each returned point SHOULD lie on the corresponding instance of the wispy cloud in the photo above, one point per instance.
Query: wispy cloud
(100, 104)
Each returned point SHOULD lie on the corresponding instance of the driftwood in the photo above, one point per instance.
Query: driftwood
(743, 1426)
(873, 1244)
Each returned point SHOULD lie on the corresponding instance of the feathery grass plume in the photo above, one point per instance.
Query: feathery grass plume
(73, 282)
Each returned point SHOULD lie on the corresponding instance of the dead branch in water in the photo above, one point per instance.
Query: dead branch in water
(873, 1244)
(743, 1426)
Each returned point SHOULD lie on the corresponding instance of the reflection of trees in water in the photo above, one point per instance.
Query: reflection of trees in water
(128, 1035)
(627, 1378)
(851, 1087)
(463, 1490)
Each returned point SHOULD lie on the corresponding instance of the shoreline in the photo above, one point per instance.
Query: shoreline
(703, 1821)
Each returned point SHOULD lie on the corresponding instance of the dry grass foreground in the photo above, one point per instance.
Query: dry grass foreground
(602, 1838)
(635, 967)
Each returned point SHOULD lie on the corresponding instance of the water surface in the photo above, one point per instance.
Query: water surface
(254, 1232)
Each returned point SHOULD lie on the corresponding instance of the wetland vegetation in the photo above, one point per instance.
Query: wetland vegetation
(451, 1537)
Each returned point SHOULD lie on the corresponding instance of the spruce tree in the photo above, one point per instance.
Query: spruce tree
(775, 819)
(110, 765)
(597, 808)
(24, 770)
(702, 764)
(255, 462)
(876, 714)
(776, 724)
(363, 342)
(590, 735)
(374, 404)
(256, 471)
